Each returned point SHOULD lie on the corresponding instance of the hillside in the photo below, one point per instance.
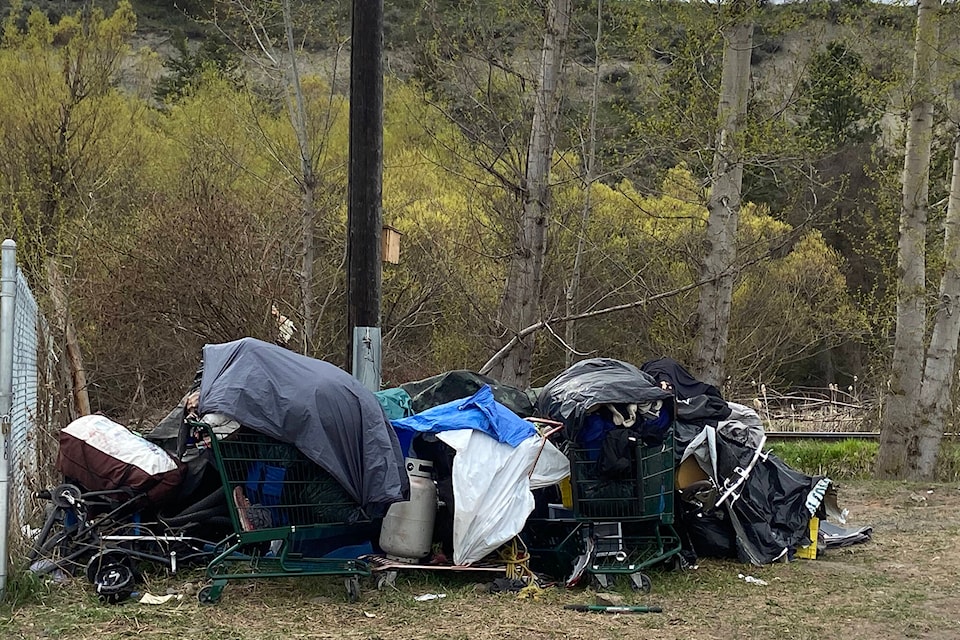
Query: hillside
(177, 203)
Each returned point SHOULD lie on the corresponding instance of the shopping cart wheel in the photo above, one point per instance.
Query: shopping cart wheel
(601, 581)
(352, 583)
(640, 582)
(387, 579)
(207, 595)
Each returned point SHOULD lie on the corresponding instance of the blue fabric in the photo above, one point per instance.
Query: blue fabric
(254, 474)
(272, 484)
(654, 430)
(592, 434)
(479, 412)
(264, 485)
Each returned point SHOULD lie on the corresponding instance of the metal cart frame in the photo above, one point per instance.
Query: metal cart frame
(627, 523)
(279, 502)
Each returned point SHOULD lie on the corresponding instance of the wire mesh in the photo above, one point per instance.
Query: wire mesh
(271, 484)
(644, 491)
(22, 442)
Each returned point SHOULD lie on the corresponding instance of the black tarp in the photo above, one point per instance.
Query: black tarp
(684, 384)
(765, 517)
(319, 408)
(594, 382)
(456, 385)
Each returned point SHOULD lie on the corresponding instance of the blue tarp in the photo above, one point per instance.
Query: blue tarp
(479, 412)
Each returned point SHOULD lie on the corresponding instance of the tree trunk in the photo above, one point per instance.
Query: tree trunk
(938, 379)
(520, 305)
(589, 177)
(307, 180)
(713, 310)
(61, 309)
(900, 429)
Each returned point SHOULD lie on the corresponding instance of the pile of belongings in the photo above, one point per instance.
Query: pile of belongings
(737, 500)
(488, 452)
(487, 462)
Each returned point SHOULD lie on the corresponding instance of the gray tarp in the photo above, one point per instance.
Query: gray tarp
(317, 407)
(594, 382)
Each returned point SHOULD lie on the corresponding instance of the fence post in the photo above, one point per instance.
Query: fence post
(8, 303)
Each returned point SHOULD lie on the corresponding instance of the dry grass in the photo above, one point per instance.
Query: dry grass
(901, 585)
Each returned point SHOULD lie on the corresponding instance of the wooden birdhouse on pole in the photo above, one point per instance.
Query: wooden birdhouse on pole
(390, 244)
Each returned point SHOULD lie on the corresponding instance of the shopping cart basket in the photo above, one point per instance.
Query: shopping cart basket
(628, 519)
(283, 507)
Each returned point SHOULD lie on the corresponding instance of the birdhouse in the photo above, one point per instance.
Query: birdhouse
(390, 245)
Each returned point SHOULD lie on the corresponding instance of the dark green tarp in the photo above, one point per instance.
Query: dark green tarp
(456, 385)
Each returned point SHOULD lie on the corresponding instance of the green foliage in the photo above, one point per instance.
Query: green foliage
(22, 588)
(839, 97)
(839, 460)
(184, 223)
(187, 68)
(853, 459)
(68, 132)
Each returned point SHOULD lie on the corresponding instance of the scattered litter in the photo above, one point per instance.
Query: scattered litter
(834, 536)
(369, 615)
(506, 585)
(149, 598)
(752, 580)
(580, 564)
(430, 596)
(929, 491)
(49, 567)
(530, 592)
(918, 498)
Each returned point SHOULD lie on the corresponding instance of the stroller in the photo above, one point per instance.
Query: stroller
(125, 501)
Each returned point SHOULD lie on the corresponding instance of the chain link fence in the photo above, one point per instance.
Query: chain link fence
(37, 410)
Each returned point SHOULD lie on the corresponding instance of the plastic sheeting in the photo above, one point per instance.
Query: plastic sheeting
(480, 412)
(395, 403)
(492, 490)
(684, 384)
(767, 512)
(317, 407)
(594, 382)
(454, 385)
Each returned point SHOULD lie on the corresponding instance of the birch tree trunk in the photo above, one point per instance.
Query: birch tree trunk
(713, 309)
(307, 181)
(520, 305)
(900, 429)
(589, 177)
(941, 362)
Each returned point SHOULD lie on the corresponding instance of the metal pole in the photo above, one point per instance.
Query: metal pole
(365, 186)
(8, 302)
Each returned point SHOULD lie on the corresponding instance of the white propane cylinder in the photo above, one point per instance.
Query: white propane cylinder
(407, 531)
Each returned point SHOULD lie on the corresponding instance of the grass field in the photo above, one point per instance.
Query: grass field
(903, 584)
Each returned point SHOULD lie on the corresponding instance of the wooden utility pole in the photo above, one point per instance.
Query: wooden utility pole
(365, 178)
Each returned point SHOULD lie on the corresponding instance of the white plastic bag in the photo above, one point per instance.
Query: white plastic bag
(491, 489)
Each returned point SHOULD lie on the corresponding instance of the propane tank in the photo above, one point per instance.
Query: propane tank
(407, 531)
